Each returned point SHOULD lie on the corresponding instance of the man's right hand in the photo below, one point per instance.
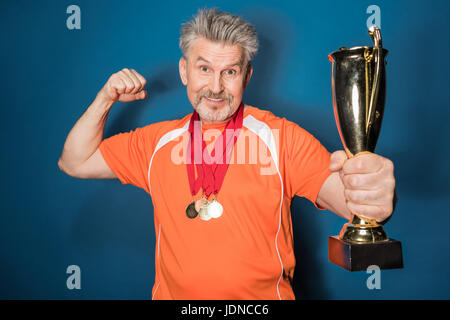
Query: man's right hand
(125, 86)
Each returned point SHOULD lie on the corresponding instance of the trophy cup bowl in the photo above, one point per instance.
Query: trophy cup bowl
(358, 90)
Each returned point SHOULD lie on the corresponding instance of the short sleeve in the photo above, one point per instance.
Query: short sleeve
(308, 162)
(128, 155)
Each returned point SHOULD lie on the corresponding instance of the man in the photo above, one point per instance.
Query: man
(223, 226)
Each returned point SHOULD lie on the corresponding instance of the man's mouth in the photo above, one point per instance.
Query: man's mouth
(214, 101)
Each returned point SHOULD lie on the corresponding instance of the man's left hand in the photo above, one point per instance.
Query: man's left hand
(369, 183)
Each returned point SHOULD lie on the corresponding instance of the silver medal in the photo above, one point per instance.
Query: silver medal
(215, 209)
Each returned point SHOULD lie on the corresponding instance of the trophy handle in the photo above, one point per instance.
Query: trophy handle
(375, 34)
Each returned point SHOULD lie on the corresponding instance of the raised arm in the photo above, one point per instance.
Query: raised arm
(81, 157)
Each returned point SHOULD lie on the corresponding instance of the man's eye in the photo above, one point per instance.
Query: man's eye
(204, 69)
(230, 72)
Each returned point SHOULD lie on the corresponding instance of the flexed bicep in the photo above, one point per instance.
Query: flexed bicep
(95, 167)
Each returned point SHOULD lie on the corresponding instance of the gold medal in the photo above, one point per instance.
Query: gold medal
(200, 202)
(203, 213)
(203, 204)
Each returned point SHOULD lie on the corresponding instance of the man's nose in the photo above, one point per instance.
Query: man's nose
(215, 84)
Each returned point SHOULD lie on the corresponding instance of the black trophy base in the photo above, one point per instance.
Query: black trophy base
(357, 257)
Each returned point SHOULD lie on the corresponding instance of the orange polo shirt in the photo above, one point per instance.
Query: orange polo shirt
(248, 252)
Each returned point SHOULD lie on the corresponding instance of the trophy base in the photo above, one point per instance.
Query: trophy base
(357, 257)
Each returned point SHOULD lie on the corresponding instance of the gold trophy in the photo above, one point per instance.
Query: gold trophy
(358, 85)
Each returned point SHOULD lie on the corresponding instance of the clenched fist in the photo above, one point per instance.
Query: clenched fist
(369, 183)
(125, 86)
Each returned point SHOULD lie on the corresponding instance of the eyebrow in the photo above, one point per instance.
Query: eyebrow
(202, 59)
(239, 63)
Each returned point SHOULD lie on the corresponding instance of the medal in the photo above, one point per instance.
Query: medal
(215, 209)
(190, 210)
(203, 213)
(200, 203)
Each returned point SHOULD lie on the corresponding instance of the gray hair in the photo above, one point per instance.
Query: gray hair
(215, 25)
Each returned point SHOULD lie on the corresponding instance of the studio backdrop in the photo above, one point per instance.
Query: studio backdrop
(55, 57)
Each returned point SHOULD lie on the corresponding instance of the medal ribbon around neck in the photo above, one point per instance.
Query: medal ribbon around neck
(211, 172)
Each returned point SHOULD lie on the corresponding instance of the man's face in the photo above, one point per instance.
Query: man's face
(216, 76)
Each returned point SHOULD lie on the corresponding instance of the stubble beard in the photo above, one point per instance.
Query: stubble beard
(216, 115)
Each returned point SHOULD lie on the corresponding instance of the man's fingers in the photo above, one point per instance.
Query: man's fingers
(369, 184)
(368, 211)
(127, 80)
(136, 82)
(365, 197)
(337, 160)
(365, 163)
(126, 85)
(141, 95)
(140, 77)
(364, 181)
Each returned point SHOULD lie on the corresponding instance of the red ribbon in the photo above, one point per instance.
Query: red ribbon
(212, 169)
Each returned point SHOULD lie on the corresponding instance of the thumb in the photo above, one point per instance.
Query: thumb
(337, 160)
(141, 95)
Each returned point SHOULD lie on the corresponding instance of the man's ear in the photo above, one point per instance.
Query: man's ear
(248, 75)
(182, 68)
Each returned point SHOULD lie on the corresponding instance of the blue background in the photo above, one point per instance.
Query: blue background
(51, 74)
